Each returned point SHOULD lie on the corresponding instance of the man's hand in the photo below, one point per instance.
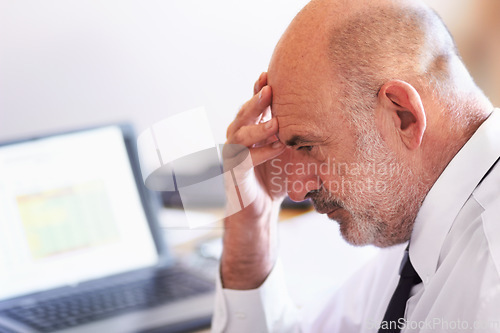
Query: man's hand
(250, 235)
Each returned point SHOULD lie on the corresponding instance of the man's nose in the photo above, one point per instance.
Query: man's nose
(299, 184)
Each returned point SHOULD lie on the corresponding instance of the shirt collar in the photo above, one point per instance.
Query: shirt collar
(450, 192)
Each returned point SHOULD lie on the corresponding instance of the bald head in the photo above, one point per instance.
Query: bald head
(396, 40)
(391, 40)
(361, 44)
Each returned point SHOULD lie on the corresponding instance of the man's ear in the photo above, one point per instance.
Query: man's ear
(400, 108)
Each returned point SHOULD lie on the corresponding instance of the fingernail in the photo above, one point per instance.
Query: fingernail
(269, 124)
(260, 95)
(277, 145)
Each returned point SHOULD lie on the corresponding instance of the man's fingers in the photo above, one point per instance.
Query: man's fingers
(269, 140)
(266, 115)
(250, 113)
(236, 154)
(253, 134)
(261, 82)
(253, 108)
(265, 153)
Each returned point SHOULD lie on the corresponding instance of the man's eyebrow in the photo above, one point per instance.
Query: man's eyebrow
(297, 140)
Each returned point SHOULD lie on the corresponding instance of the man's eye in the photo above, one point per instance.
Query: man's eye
(305, 148)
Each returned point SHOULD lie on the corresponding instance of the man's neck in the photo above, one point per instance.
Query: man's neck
(447, 143)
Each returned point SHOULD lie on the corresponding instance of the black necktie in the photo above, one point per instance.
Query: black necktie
(395, 312)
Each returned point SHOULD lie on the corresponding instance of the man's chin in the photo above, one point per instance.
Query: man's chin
(350, 230)
(354, 234)
(357, 237)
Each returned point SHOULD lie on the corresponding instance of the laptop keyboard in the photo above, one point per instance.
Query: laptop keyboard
(105, 301)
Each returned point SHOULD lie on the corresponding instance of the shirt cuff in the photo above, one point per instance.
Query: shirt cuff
(265, 309)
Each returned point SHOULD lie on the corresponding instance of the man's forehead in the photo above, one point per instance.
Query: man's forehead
(294, 99)
(296, 90)
(299, 126)
(302, 98)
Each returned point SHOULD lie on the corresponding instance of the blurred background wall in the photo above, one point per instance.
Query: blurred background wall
(69, 63)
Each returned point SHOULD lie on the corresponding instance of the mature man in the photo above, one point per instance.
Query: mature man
(365, 82)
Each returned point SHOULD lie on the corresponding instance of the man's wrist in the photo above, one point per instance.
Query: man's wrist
(250, 250)
(241, 276)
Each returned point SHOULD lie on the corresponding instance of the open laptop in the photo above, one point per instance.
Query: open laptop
(80, 247)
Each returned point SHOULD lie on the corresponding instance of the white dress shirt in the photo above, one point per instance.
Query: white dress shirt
(455, 249)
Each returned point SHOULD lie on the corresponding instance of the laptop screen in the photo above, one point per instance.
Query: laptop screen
(70, 211)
